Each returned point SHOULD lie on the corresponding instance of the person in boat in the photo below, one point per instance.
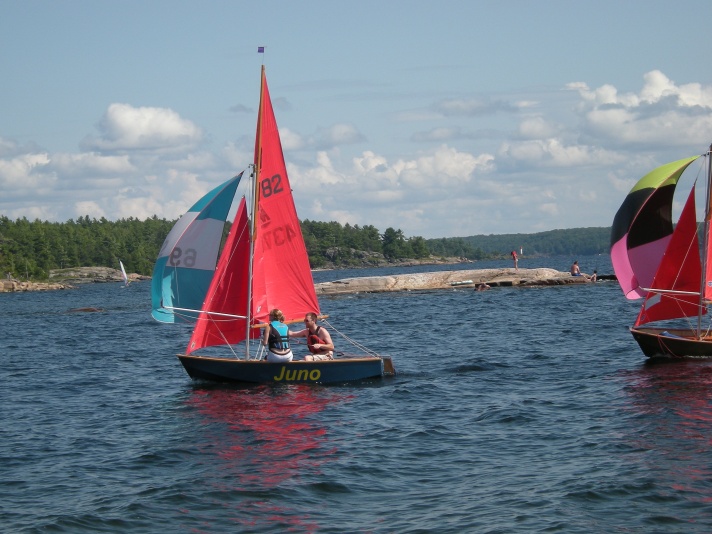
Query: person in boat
(318, 339)
(575, 271)
(276, 338)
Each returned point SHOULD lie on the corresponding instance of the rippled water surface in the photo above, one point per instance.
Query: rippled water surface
(514, 410)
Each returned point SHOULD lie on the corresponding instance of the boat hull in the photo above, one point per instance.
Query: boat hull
(295, 372)
(672, 343)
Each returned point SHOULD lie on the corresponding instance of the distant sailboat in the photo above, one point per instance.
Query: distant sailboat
(124, 275)
(263, 265)
(662, 264)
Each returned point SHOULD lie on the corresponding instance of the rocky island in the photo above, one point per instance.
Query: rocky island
(68, 278)
(449, 280)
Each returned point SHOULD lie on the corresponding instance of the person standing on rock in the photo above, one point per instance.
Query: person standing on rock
(515, 259)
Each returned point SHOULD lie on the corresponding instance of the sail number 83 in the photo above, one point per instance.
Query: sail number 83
(184, 258)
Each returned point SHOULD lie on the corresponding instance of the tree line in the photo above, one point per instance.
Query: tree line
(30, 249)
(568, 242)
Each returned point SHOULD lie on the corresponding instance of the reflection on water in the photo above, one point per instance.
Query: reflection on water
(266, 440)
(672, 406)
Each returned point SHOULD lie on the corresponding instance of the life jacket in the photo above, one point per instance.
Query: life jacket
(313, 339)
(278, 341)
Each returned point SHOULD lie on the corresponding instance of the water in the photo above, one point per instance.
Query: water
(514, 410)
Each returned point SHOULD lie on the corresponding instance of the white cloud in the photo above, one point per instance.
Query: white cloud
(291, 140)
(125, 127)
(537, 128)
(91, 162)
(463, 172)
(23, 172)
(554, 153)
(662, 113)
(339, 134)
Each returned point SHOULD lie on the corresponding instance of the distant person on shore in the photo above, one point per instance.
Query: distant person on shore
(483, 287)
(575, 271)
(515, 259)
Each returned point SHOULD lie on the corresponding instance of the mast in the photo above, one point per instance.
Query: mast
(706, 245)
(253, 211)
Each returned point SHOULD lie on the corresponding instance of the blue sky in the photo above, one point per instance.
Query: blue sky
(442, 119)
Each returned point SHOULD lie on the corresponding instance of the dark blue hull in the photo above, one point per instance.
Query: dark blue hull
(671, 343)
(296, 372)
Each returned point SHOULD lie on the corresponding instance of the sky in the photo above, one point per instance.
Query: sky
(441, 119)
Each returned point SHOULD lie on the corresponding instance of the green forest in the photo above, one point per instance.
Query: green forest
(30, 249)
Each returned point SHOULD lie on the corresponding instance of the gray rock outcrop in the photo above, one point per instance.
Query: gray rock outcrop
(449, 280)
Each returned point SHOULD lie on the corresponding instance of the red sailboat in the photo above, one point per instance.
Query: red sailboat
(662, 263)
(263, 265)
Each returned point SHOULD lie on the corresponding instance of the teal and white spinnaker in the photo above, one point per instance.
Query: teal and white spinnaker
(189, 254)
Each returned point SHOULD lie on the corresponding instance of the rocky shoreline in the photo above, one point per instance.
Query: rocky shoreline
(68, 279)
(11, 286)
(504, 277)
(449, 280)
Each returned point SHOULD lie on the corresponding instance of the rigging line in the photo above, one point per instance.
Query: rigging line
(352, 341)
(206, 312)
(227, 343)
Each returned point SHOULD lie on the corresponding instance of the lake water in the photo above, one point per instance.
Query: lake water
(514, 410)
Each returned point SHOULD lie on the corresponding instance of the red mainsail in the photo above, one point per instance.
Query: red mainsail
(281, 276)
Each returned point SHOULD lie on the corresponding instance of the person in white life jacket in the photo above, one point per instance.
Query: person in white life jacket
(318, 339)
(276, 338)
